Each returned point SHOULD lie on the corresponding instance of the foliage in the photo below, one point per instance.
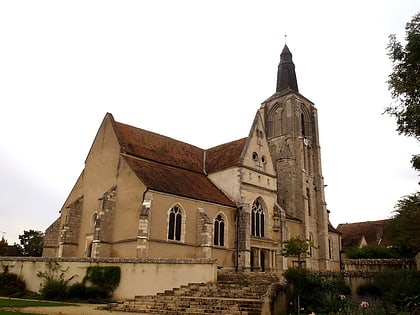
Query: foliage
(80, 292)
(371, 251)
(307, 287)
(97, 285)
(404, 80)
(3, 246)
(103, 278)
(55, 285)
(405, 226)
(398, 285)
(296, 246)
(31, 243)
(11, 284)
(368, 290)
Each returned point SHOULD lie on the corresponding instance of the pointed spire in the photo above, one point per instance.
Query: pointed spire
(286, 75)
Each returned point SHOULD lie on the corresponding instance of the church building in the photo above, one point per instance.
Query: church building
(145, 195)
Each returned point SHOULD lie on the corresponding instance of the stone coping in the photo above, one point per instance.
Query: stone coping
(112, 260)
(379, 261)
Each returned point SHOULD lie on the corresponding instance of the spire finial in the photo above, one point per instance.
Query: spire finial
(285, 38)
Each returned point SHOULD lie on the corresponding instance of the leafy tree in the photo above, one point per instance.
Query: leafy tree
(31, 243)
(296, 246)
(3, 246)
(404, 82)
(405, 227)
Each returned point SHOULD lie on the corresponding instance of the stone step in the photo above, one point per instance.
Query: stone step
(234, 294)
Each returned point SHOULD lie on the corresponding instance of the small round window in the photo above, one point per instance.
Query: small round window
(264, 159)
(255, 156)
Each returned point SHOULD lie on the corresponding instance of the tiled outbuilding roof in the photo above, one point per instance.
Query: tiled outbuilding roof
(374, 232)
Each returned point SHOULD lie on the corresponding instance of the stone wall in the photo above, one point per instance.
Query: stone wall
(375, 265)
(359, 271)
(138, 276)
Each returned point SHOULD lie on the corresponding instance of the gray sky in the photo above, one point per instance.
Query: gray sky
(196, 71)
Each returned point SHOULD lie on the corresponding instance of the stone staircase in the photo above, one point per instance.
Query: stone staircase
(234, 293)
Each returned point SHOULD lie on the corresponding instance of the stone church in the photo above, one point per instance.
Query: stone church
(145, 195)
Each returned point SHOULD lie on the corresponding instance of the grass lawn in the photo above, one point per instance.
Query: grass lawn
(10, 303)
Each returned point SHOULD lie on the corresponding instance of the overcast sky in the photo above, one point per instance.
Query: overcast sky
(196, 71)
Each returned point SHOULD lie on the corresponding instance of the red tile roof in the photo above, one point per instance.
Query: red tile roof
(155, 147)
(168, 165)
(177, 181)
(224, 156)
(374, 232)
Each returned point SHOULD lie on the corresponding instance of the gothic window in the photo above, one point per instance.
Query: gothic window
(257, 219)
(330, 248)
(219, 231)
(302, 124)
(308, 196)
(175, 224)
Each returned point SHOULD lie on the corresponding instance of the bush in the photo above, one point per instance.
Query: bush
(76, 291)
(11, 285)
(307, 287)
(371, 251)
(55, 286)
(398, 287)
(104, 279)
(368, 290)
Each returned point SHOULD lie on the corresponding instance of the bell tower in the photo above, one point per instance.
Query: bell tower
(291, 126)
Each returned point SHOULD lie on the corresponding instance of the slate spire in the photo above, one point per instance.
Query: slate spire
(286, 75)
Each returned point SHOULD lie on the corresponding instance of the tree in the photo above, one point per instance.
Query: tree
(404, 82)
(3, 246)
(405, 226)
(31, 243)
(296, 247)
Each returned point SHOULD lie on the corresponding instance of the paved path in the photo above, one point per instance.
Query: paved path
(78, 309)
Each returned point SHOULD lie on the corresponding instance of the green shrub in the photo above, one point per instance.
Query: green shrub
(368, 290)
(105, 279)
(398, 286)
(54, 289)
(55, 285)
(77, 291)
(11, 285)
(307, 287)
(371, 251)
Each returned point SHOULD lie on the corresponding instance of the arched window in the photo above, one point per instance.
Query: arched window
(330, 245)
(257, 219)
(219, 231)
(302, 124)
(308, 196)
(175, 224)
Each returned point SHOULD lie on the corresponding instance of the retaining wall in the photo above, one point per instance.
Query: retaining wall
(138, 276)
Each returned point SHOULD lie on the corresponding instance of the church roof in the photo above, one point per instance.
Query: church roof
(224, 156)
(374, 232)
(168, 165)
(176, 181)
(158, 148)
(286, 75)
